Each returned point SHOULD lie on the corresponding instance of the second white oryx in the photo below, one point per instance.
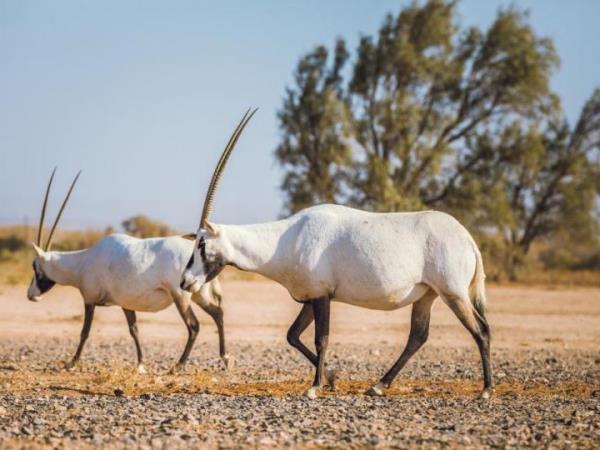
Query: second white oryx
(330, 253)
(135, 274)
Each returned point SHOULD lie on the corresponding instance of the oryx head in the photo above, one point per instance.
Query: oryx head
(206, 261)
(41, 282)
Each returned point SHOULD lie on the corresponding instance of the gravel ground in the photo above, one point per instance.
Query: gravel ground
(543, 399)
(544, 354)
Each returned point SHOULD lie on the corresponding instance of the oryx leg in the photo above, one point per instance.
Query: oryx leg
(133, 330)
(479, 328)
(85, 332)
(321, 312)
(419, 331)
(209, 299)
(189, 318)
(304, 319)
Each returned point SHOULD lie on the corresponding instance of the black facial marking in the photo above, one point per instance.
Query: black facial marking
(202, 247)
(211, 268)
(190, 262)
(43, 283)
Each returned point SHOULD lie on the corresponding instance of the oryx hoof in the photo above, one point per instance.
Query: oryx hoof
(311, 392)
(485, 394)
(71, 364)
(228, 361)
(177, 369)
(141, 369)
(331, 376)
(376, 390)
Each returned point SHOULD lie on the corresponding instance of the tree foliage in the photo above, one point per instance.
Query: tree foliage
(314, 120)
(143, 227)
(428, 114)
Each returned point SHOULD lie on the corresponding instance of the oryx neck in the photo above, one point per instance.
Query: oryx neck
(254, 248)
(65, 268)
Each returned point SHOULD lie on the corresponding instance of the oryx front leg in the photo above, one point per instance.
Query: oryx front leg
(419, 331)
(189, 318)
(304, 319)
(85, 332)
(133, 330)
(321, 312)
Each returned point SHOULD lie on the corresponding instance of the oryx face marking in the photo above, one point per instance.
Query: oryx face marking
(40, 283)
(194, 275)
(201, 267)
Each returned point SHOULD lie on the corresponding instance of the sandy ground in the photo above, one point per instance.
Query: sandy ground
(545, 356)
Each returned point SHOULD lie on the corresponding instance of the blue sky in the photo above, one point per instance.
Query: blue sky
(143, 95)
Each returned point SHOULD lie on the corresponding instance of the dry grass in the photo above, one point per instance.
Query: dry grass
(22, 381)
(15, 268)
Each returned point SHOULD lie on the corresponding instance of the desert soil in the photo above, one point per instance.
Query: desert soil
(545, 356)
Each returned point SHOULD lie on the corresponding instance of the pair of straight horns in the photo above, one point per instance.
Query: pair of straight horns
(58, 216)
(208, 201)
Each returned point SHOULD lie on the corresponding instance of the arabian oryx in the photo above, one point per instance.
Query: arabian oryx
(378, 261)
(135, 274)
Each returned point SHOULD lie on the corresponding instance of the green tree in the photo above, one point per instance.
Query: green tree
(429, 114)
(542, 180)
(313, 121)
(416, 94)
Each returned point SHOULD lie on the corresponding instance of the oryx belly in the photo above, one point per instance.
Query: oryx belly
(398, 298)
(151, 301)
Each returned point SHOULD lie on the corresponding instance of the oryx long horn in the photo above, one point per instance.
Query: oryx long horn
(41, 226)
(62, 208)
(212, 187)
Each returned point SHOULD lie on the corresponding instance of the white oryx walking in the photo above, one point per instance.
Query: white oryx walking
(135, 274)
(334, 253)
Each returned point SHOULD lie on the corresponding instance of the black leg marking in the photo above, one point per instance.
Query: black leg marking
(479, 328)
(419, 332)
(85, 332)
(133, 330)
(193, 327)
(216, 312)
(483, 339)
(304, 319)
(321, 312)
(302, 322)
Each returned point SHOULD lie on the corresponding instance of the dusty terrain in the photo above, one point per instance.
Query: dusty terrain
(545, 356)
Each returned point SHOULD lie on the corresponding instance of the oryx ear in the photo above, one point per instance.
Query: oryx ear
(213, 230)
(190, 236)
(39, 252)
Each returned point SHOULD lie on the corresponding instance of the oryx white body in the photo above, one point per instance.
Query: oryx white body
(140, 275)
(373, 260)
(381, 261)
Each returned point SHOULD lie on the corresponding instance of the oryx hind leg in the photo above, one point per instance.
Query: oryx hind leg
(133, 331)
(479, 328)
(209, 298)
(419, 332)
(184, 307)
